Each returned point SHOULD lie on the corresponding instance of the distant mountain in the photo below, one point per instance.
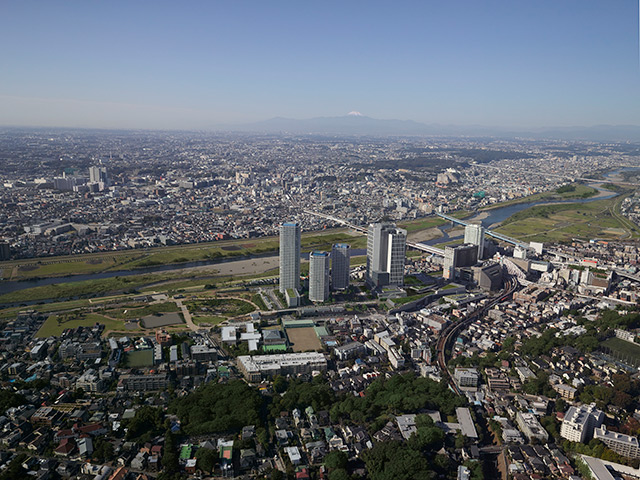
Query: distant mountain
(348, 124)
(357, 124)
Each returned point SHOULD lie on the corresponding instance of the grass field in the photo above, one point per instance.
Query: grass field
(257, 299)
(626, 351)
(51, 327)
(210, 319)
(303, 339)
(83, 289)
(220, 307)
(562, 222)
(581, 191)
(422, 224)
(140, 358)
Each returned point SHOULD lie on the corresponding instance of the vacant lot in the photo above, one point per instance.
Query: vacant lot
(303, 339)
(161, 320)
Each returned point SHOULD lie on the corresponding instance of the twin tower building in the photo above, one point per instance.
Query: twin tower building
(386, 246)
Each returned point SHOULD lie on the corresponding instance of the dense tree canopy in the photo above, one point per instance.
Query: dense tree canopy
(218, 407)
(396, 395)
(146, 424)
(10, 399)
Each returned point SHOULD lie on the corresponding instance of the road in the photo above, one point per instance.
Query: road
(186, 314)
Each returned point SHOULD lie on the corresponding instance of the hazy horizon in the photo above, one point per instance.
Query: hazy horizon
(122, 65)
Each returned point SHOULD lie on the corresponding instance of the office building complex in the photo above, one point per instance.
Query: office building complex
(579, 423)
(386, 246)
(289, 256)
(474, 234)
(318, 276)
(256, 368)
(530, 426)
(98, 174)
(340, 265)
(456, 257)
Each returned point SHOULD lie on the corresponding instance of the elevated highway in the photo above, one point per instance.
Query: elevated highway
(490, 233)
(418, 246)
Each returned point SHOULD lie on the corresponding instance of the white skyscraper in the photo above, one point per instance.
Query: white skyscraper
(98, 174)
(386, 246)
(318, 276)
(289, 256)
(340, 265)
(474, 234)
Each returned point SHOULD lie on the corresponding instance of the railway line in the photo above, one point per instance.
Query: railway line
(446, 337)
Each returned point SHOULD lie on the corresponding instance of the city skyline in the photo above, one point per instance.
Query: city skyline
(220, 66)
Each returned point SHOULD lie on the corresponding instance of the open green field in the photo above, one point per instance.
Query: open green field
(575, 191)
(140, 358)
(210, 319)
(44, 308)
(623, 350)
(358, 260)
(421, 224)
(563, 222)
(52, 327)
(85, 288)
(220, 307)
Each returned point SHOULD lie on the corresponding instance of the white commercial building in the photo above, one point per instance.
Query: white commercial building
(530, 427)
(466, 377)
(474, 234)
(255, 368)
(386, 247)
(579, 423)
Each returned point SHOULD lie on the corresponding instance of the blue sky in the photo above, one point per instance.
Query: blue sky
(198, 64)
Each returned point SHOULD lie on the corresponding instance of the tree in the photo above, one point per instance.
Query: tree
(170, 456)
(396, 461)
(280, 384)
(277, 474)
(335, 459)
(218, 407)
(103, 450)
(206, 459)
(339, 474)
(146, 424)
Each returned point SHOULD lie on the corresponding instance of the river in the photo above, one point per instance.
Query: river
(498, 215)
(493, 217)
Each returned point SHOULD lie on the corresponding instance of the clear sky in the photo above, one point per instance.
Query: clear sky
(198, 64)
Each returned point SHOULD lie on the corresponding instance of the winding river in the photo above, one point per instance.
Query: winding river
(493, 217)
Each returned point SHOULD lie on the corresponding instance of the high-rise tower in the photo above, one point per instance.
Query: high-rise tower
(289, 256)
(386, 246)
(98, 174)
(340, 265)
(474, 234)
(318, 276)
